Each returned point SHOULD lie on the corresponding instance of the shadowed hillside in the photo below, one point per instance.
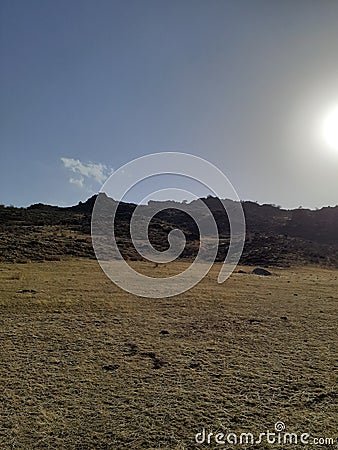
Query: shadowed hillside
(275, 236)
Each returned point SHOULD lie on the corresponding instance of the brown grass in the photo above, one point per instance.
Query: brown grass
(87, 366)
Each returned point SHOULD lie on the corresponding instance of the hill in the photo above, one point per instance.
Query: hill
(275, 236)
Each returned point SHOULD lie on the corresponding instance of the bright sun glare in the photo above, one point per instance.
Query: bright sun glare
(330, 129)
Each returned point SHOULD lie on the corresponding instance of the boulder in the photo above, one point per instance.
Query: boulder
(260, 271)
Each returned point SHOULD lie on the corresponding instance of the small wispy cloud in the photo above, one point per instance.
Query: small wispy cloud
(86, 172)
(77, 181)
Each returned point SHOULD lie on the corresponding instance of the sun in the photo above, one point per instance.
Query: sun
(330, 129)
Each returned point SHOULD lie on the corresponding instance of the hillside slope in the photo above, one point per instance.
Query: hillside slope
(275, 236)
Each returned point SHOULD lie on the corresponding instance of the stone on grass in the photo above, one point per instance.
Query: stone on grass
(260, 271)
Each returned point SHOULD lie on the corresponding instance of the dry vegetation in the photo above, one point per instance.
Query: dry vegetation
(86, 366)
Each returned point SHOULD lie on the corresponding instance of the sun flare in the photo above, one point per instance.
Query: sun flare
(330, 129)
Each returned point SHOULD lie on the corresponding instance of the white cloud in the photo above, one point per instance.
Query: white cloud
(77, 181)
(89, 171)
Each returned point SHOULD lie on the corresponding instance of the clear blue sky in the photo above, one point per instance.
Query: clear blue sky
(87, 86)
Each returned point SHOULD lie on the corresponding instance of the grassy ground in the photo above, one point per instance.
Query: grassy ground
(85, 365)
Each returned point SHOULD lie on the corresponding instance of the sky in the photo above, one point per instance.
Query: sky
(89, 85)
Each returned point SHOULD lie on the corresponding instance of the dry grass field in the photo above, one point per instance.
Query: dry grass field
(85, 365)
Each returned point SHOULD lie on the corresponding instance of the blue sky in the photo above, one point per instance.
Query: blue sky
(87, 86)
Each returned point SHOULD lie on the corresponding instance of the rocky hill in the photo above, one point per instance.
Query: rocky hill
(274, 236)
